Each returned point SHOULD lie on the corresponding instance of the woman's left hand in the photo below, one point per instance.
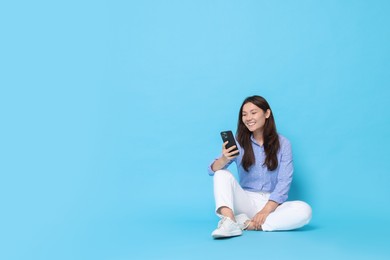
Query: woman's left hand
(259, 219)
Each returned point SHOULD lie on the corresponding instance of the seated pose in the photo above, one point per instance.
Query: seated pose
(265, 168)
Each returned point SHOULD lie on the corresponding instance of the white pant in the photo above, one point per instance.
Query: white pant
(287, 216)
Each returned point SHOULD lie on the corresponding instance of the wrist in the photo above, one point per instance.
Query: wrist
(270, 207)
(224, 159)
(266, 211)
(219, 163)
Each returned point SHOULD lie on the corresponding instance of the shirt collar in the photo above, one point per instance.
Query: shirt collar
(254, 141)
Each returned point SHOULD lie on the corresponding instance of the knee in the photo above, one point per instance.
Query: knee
(305, 211)
(223, 174)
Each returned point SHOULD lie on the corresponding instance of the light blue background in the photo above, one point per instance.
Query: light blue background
(111, 111)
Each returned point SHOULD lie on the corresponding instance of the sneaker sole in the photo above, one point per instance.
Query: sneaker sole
(226, 235)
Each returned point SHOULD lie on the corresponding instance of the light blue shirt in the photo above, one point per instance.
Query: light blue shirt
(259, 178)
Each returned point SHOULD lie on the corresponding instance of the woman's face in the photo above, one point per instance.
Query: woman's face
(254, 117)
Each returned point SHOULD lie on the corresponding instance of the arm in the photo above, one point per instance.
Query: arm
(219, 163)
(225, 159)
(285, 173)
(280, 193)
(259, 219)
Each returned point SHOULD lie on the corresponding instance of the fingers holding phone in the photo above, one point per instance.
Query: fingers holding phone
(229, 147)
(231, 152)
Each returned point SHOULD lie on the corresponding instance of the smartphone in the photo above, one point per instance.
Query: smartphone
(228, 136)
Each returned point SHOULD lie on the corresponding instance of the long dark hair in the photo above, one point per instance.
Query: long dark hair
(270, 136)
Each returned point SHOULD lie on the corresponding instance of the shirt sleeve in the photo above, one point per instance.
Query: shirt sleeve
(286, 169)
(210, 170)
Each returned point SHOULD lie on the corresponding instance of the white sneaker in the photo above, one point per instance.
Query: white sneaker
(226, 228)
(243, 221)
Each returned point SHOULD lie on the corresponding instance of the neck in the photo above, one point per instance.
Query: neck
(258, 136)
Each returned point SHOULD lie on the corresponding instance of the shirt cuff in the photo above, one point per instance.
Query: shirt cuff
(209, 169)
(278, 198)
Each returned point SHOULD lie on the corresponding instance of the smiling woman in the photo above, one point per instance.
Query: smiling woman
(259, 200)
(258, 119)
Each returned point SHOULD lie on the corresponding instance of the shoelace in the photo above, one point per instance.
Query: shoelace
(221, 221)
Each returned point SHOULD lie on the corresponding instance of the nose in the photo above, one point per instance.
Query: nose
(248, 118)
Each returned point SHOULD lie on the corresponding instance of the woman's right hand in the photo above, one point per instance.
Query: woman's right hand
(229, 154)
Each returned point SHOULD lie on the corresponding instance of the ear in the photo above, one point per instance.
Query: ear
(267, 113)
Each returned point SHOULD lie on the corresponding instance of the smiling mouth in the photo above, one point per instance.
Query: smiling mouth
(251, 123)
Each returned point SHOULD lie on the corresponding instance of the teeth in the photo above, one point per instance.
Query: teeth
(250, 124)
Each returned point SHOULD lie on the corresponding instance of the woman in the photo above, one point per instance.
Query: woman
(265, 169)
